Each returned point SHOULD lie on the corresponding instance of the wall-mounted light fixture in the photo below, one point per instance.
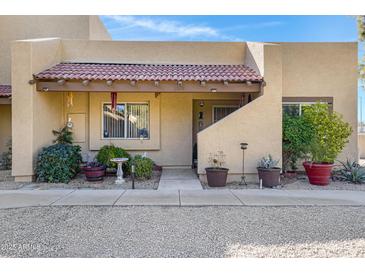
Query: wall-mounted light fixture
(45, 89)
(61, 82)
(201, 103)
(213, 90)
(85, 83)
(109, 83)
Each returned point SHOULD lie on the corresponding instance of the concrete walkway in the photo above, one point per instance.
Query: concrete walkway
(179, 179)
(168, 197)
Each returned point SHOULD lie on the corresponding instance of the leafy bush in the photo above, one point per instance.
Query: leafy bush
(106, 153)
(63, 135)
(267, 162)
(143, 167)
(297, 137)
(331, 133)
(58, 163)
(351, 172)
(7, 156)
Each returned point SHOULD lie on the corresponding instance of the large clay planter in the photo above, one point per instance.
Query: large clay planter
(94, 173)
(270, 176)
(217, 177)
(318, 174)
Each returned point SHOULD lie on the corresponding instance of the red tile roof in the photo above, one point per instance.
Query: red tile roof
(152, 72)
(5, 90)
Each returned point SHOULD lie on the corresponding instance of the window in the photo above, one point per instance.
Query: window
(220, 112)
(295, 108)
(129, 121)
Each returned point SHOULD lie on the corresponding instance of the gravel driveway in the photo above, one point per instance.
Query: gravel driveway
(183, 232)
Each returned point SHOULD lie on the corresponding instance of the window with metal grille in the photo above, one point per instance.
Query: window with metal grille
(128, 121)
(220, 112)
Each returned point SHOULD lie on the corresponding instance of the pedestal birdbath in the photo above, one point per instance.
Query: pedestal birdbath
(120, 162)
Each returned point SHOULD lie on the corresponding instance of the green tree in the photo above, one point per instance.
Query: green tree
(297, 137)
(63, 135)
(361, 32)
(331, 133)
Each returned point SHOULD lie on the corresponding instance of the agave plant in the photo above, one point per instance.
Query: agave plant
(267, 162)
(351, 172)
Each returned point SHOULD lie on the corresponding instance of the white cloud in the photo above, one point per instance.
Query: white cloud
(165, 26)
(258, 25)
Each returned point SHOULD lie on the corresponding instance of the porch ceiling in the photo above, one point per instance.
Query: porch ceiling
(148, 78)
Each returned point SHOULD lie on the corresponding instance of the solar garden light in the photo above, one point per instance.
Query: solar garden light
(133, 171)
(243, 177)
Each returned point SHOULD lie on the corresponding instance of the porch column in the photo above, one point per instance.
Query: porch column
(34, 114)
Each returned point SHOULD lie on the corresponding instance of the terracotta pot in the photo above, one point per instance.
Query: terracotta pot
(94, 173)
(216, 176)
(318, 174)
(270, 176)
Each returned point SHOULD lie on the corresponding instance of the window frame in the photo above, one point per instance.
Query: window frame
(300, 105)
(221, 106)
(125, 124)
(307, 101)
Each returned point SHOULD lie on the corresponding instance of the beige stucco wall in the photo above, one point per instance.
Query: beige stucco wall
(30, 27)
(361, 145)
(257, 123)
(325, 70)
(154, 52)
(97, 30)
(5, 126)
(34, 114)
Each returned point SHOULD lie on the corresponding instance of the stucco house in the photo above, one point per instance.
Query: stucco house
(27, 27)
(176, 101)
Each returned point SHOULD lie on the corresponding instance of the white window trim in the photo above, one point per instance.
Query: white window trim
(222, 106)
(125, 128)
(301, 104)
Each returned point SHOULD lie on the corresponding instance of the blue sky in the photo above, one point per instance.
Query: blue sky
(235, 28)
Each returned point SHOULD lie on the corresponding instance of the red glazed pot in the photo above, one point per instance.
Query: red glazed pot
(318, 174)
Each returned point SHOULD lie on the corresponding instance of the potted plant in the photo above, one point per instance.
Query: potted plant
(268, 171)
(94, 171)
(216, 173)
(331, 134)
(297, 136)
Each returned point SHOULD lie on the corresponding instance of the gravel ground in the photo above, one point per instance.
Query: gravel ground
(183, 232)
(80, 182)
(300, 183)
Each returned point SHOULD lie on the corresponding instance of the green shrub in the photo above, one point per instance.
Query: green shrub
(106, 153)
(143, 167)
(58, 163)
(297, 137)
(331, 133)
(7, 156)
